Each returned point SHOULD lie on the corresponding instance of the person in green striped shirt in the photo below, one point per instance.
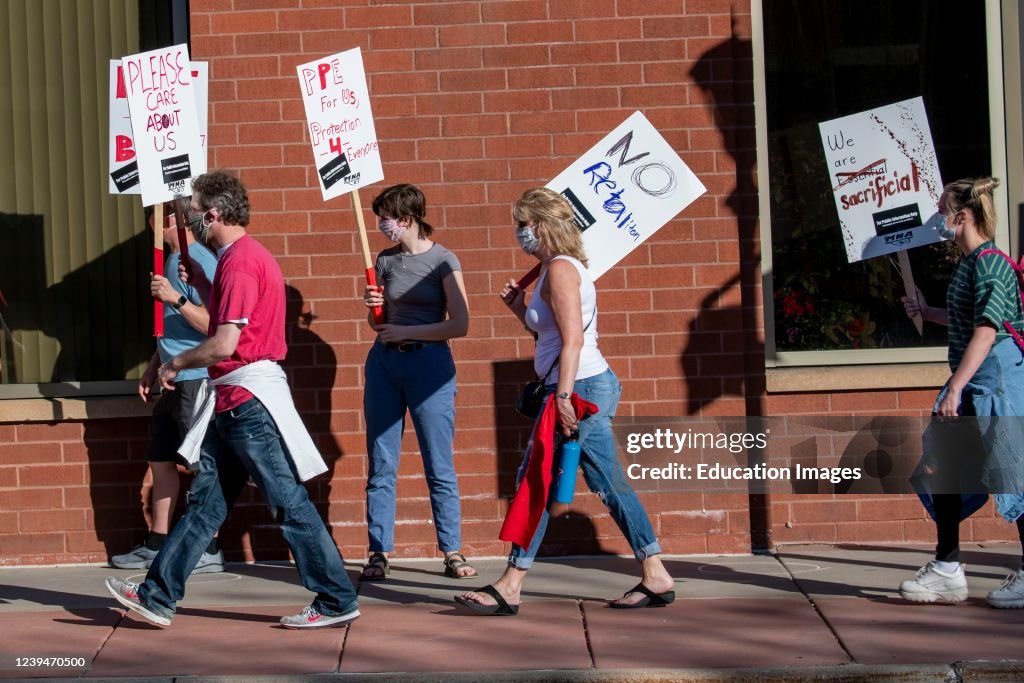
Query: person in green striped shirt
(987, 380)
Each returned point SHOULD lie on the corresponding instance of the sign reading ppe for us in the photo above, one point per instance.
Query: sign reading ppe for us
(885, 178)
(160, 90)
(624, 189)
(337, 100)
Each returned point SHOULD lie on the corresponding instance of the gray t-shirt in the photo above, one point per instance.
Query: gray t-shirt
(414, 284)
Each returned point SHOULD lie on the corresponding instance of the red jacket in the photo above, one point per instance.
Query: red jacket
(531, 497)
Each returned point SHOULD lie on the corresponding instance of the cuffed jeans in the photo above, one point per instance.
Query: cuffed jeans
(601, 470)
(422, 381)
(242, 443)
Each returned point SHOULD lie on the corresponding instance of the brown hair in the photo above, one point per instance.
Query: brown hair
(974, 195)
(223, 191)
(404, 201)
(553, 215)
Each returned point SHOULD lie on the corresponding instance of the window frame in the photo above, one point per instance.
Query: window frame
(997, 31)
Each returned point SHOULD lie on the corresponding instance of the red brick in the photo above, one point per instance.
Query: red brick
(51, 520)
(50, 431)
(234, 23)
(29, 548)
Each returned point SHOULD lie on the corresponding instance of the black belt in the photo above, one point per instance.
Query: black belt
(407, 346)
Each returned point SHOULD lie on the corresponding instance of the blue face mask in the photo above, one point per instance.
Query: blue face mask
(528, 240)
(945, 231)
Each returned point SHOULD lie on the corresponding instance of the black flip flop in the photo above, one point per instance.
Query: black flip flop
(650, 599)
(501, 609)
(379, 561)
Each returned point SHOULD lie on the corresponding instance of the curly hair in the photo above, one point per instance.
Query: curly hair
(223, 191)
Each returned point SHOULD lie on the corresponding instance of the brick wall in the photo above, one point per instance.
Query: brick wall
(475, 102)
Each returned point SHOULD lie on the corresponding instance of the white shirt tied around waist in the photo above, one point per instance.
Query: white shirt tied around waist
(267, 382)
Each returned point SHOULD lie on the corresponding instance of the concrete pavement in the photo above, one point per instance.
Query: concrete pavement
(806, 613)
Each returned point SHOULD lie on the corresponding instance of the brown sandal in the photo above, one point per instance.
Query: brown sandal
(453, 563)
(379, 566)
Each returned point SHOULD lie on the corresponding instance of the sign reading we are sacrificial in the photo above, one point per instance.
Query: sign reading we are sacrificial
(161, 100)
(624, 189)
(123, 164)
(341, 130)
(885, 178)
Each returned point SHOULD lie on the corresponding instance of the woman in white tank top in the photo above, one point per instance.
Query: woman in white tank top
(563, 314)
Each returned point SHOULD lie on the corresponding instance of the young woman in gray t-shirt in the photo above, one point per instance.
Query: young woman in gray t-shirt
(410, 367)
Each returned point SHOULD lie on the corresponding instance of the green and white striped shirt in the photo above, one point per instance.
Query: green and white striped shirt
(982, 291)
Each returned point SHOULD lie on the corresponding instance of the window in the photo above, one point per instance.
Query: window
(74, 260)
(823, 59)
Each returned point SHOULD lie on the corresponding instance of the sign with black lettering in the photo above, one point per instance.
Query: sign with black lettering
(885, 178)
(624, 189)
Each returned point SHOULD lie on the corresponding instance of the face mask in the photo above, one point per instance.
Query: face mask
(945, 231)
(391, 229)
(528, 239)
(200, 228)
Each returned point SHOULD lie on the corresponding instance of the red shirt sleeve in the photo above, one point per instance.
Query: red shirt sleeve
(239, 293)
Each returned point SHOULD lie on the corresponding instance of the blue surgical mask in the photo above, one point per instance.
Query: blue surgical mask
(528, 239)
(945, 231)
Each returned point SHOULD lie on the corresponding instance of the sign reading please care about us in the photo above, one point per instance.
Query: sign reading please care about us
(624, 189)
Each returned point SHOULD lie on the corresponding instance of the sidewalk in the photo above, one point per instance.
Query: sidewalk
(809, 613)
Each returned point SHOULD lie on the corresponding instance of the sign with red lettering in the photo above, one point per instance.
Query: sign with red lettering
(624, 189)
(161, 94)
(341, 131)
(885, 178)
(124, 167)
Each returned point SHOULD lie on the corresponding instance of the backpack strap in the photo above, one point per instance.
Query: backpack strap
(1018, 269)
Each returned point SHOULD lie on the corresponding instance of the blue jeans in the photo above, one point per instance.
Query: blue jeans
(240, 443)
(601, 470)
(422, 381)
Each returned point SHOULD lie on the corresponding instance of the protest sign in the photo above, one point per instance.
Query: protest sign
(124, 167)
(885, 178)
(161, 95)
(341, 131)
(624, 189)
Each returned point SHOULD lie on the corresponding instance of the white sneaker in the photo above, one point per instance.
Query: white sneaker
(127, 593)
(1011, 594)
(933, 585)
(310, 617)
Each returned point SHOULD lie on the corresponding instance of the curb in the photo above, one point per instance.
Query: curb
(958, 672)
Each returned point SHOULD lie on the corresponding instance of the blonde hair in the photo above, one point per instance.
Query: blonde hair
(553, 215)
(974, 195)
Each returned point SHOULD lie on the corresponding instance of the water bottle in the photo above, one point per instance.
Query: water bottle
(569, 462)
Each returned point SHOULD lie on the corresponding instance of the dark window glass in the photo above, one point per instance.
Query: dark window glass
(827, 59)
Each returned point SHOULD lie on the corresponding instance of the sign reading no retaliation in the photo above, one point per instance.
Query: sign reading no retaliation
(624, 189)
(161, 96)
(885, 177)
(341, 131)
(123, 164)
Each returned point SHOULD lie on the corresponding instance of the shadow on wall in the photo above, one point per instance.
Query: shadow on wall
(251, 532)
(98, 315)
(724, 354)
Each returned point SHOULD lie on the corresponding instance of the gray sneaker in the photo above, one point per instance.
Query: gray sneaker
(210, 564)
(127, 593)
(1011, 594)
(309, 617)
(139, 557)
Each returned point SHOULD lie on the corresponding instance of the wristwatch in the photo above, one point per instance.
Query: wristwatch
(182, 300)
(562, 394)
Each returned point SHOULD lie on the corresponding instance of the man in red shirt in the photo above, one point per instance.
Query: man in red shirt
(255, 431)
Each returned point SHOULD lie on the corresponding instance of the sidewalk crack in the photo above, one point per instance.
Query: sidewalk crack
(814, 606)
(586, 634)
(341, 652)
(103, 643)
